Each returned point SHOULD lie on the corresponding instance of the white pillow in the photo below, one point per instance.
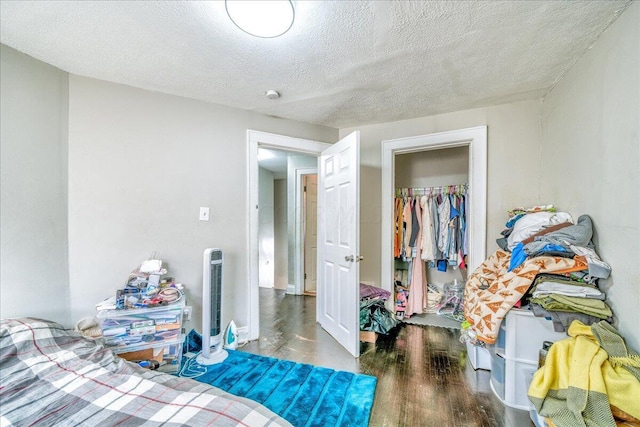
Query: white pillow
(532, 223)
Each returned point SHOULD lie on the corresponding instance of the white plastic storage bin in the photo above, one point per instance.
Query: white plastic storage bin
(525, 334)
(515, 355)
(497, 376)
(479, 357)
(538, 420)
(499, 346)
(515, 390)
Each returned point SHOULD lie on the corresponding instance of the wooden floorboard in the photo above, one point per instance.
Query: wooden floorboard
(424, 377)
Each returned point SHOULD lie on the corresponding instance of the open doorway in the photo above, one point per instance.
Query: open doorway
(338, 231)
(287, 215)
(310, 233)
(272, 219)
(305, 153)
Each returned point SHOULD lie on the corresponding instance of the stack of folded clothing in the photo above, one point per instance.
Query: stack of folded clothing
(565, 299)
(540, 231)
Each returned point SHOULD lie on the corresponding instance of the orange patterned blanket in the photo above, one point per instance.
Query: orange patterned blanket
(491, 290)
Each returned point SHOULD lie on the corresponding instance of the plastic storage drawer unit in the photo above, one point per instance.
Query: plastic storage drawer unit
(515, 355)
(145, 334)
(497, 375)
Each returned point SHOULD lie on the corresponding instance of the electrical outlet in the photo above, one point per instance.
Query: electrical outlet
(186, 313)
(204, 214)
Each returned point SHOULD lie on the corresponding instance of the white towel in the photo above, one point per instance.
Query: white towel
(545, 288)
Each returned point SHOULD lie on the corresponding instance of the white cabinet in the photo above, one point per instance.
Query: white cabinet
(514, 356)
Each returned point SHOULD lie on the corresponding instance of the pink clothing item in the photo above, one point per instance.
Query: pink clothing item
(417, 300)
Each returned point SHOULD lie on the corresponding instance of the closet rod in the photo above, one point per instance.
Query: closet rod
(424, 191)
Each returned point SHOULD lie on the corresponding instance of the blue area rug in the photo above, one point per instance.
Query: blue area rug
(304, 395)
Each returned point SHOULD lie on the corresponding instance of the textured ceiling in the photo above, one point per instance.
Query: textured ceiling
(342, 64)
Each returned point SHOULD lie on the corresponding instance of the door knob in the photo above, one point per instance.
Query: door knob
(349, 258)
(359, 258)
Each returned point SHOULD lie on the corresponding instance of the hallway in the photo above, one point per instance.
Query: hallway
(424, 378)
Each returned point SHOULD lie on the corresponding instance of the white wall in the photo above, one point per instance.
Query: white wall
(265, 229)
(34, 276)
(513, 165)
(432, 168)
(140, 166)
(591, 157)
(280, 234)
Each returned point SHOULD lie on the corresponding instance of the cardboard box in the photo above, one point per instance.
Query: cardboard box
(146, 354)
(368, 336)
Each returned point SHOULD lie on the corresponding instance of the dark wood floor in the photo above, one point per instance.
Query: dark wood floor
(424, 378)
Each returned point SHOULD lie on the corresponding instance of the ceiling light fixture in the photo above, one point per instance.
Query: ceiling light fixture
(272, 94)
(262, 18)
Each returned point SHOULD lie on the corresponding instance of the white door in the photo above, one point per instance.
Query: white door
(310, 234)
(338, 241)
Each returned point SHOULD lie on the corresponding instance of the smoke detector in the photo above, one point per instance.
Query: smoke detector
(272, 94)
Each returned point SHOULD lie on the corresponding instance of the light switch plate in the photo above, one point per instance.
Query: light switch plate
(204, 214)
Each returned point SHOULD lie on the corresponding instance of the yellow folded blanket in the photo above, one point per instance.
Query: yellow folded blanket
(579, 380)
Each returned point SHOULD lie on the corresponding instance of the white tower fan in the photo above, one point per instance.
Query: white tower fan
(212, 342)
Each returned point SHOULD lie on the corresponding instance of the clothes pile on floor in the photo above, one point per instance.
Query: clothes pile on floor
(374, 316)
(548, 259)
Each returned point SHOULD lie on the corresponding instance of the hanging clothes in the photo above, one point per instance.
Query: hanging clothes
(444, 210)
(433, 205)
(416, 219)
(397, 243)
(461, 233)
(417, 301)
(428, 230)
(408, 223)
(452, 232)
(441, 224)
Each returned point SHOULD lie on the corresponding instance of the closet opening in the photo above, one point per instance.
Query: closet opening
(444, 175)
(431, 239)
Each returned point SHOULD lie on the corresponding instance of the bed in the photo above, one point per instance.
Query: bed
(50, 375)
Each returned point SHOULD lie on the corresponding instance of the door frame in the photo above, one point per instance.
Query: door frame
(305, 240)
(301, 221)
(476, 139)
(257, 139)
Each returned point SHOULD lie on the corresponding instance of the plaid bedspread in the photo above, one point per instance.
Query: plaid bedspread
(53, 376)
